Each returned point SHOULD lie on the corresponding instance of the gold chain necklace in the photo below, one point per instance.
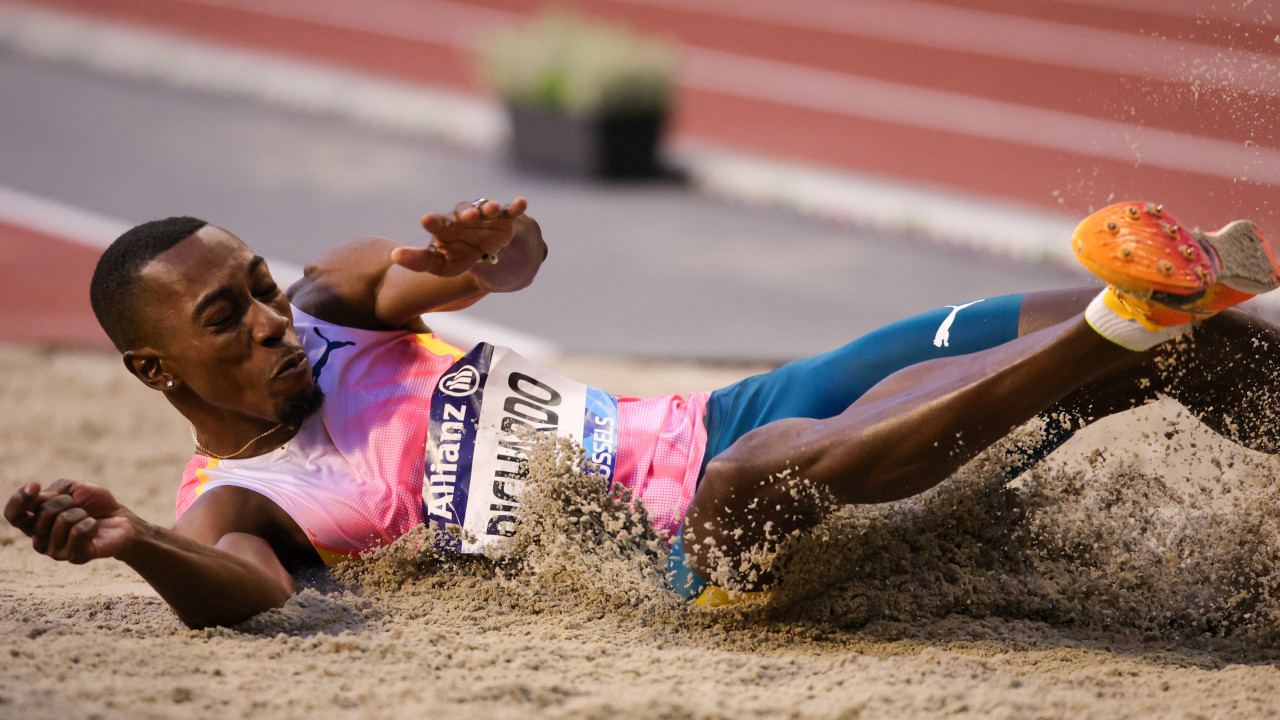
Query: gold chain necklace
(212, 454)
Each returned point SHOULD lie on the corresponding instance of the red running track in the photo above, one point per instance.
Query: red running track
(1059, 103)
(45, 292)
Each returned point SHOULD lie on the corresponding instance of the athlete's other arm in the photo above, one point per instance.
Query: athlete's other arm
(219, 565)
(376, 283)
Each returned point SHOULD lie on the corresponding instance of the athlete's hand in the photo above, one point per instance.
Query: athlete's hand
(469, 238)
(73, 521)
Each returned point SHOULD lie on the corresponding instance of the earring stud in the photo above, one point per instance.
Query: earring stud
(169, 384)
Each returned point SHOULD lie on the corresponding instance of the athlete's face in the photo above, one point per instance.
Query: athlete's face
(222, 328)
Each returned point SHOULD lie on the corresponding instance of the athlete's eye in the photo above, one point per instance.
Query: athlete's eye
(268, 291)
(220, 320)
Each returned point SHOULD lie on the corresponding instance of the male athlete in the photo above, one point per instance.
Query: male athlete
(329, 421)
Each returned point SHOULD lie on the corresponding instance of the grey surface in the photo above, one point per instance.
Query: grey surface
(649, 269)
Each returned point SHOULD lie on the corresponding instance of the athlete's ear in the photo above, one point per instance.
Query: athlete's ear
(145, 365)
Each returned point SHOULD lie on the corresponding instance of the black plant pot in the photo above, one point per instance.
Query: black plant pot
(615, 146)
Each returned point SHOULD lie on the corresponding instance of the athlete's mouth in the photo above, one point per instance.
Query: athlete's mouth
(290, 364)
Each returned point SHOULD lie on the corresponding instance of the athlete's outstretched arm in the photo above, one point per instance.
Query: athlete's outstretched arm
(377, 283)
(231, 580)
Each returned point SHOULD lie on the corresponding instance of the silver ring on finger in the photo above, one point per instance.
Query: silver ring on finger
(478, 202)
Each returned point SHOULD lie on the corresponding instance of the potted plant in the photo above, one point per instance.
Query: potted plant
(585, 98)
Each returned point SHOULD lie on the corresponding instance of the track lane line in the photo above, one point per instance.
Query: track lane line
(940, 110)
(982, 32)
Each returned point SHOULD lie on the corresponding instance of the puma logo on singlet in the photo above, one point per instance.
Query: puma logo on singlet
(943, 337)
(329, 346)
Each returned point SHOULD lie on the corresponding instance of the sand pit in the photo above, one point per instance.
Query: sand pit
(1134, 574)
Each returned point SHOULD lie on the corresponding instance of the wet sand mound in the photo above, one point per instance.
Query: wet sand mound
(1163, 539)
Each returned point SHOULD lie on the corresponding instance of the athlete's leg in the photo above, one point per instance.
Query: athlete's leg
(826, 384)
(913, 429)
(918, 425)
(905, 435)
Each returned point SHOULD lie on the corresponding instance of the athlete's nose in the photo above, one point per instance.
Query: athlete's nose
(269, 324)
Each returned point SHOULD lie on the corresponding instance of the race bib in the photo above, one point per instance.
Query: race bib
(481, 409)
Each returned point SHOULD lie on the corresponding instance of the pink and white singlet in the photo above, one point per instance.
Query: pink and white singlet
(352, 478)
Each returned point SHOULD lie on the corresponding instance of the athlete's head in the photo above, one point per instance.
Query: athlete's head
(117, 281)
(197, 315)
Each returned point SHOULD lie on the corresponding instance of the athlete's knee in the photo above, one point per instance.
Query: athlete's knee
(753, 464)
(750, 498)
(760, 450)
(723, 476)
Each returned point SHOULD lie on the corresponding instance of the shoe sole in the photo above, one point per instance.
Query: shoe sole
(1244, 257)
(1140, 249)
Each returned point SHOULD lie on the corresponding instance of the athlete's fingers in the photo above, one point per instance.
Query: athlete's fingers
(496, 211)
(45, 516)
(482, 210)
(490, 210)
(478, 210)
(515, 208)
(96, 500)
(435, 223)
(60, 486)
(80, 539)
(76, 547)
(465, 226)
(19, 510)
(61, 529)
(471, 232)
(419, 259)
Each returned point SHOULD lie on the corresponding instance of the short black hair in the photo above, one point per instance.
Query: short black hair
(117, 284)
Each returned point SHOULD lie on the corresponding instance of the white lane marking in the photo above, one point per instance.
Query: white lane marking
(441, 22)
(310, 86)
(1006, 228)
(95, 230)
(183, 60)
(927, 109)
(58, 219)
(1197, 9)
(942, 338)
(1006, 36)
(462, 25)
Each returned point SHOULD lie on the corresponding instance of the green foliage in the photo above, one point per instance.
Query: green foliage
(562, 61)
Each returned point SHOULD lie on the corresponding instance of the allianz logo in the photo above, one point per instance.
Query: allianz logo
(461, 382)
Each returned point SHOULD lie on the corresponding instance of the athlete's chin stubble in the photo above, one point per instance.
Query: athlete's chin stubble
(301, 406)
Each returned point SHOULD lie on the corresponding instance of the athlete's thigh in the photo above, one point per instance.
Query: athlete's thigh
(1050, 307)
(824, 385)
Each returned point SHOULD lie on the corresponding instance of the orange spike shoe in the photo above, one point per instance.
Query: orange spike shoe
(1162, 275)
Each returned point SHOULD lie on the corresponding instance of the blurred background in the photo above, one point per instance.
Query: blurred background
(824, 166)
